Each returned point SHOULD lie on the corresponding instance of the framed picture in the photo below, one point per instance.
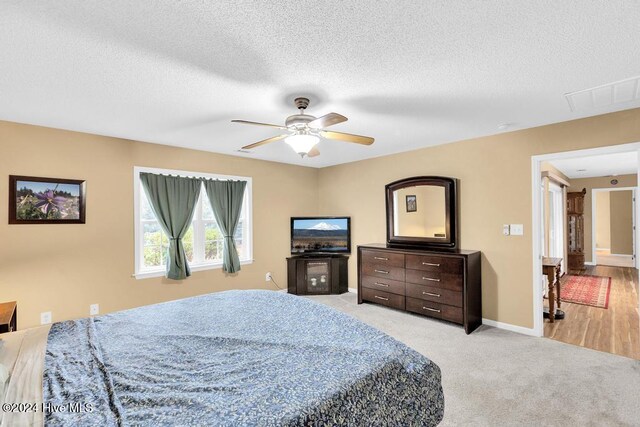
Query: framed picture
(34, 200)
(412, 205)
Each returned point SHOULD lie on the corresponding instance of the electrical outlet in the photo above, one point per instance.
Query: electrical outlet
(505, 229)
(94, 309)
(45, 318)
(517, 229)
(267, 277)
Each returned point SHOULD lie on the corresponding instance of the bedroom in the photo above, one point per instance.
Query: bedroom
(157, 87)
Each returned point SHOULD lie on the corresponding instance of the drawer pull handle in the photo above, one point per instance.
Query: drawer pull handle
(381, 284)
(431, 309)
(381, 258)
(381, 271)
(431, 279)
(382, 298)
(431, 264)
(430, 294)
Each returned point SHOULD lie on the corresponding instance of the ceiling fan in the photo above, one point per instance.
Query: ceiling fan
(305, 131)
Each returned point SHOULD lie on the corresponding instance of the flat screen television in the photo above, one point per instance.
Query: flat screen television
(322, 234)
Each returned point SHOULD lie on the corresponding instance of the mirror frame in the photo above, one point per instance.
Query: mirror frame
(451, 219)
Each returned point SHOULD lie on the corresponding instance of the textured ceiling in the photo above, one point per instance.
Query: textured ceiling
(409, 73)
(602, 165)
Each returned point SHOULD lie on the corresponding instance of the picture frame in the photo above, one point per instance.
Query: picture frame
(412, 205)
(39, 200)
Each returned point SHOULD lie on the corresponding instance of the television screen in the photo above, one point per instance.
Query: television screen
(320, 234)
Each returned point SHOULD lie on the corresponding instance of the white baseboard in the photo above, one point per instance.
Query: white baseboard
(352, 290)
(510, 327)
(589, 263)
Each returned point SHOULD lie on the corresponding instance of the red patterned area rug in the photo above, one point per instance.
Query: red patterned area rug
(586, 290)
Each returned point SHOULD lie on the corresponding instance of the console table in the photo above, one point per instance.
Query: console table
(551, 267)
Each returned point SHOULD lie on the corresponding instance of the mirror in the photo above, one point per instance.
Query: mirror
(421, 211)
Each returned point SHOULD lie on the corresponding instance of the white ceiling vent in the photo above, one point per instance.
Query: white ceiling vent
(619, 92)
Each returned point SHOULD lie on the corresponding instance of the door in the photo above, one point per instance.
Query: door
(318, 276)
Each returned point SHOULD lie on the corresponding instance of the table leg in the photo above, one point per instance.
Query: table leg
(558, 284)
(552, 298)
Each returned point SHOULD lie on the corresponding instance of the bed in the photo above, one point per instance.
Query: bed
(229, 359)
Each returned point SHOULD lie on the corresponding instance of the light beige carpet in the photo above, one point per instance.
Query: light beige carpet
(499, 378)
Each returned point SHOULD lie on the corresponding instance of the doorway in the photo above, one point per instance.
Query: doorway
(613, 214)
(557, 243)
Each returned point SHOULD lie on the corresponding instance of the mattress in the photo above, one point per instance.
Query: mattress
(234, 358)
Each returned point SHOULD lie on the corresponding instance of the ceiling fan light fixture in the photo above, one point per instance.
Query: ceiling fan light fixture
(302, 144)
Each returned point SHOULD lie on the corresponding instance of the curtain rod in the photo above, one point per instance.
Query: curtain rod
(194, 177)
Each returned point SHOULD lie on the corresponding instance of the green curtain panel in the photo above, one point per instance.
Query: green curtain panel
(173, 200)
(226, 201)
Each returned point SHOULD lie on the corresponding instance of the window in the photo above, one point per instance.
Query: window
(556, 221)
(203, 242)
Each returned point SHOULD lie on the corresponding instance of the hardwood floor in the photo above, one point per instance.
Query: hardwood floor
(614, 330)
(605, 258)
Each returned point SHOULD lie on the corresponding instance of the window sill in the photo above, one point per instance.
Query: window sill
(147, 274)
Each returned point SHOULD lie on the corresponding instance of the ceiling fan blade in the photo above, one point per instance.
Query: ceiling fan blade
(347, 137)
(327, 120)
(246, 122)
(313, 152)
(264, 141)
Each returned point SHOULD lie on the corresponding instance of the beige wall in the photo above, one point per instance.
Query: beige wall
(64, 268)
(622, 222)
(495, 189)
(603, 223)
(590, 184)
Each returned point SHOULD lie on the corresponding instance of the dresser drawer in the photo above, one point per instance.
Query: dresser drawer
(386, 285)
(383, 272)
(434, 309)
(435, 294)
(435, 263)
(452, 314)
(384, 298)
(383, 258)
(453, 282)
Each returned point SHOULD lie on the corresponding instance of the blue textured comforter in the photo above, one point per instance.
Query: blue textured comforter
(235, 358)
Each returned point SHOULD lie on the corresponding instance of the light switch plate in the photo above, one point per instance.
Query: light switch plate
(517, 229)
(505, 229)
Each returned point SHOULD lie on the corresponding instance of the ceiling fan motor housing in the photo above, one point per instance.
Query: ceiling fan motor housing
(298, 120)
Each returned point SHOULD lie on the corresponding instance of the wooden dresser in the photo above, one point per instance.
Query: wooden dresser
(441, 284)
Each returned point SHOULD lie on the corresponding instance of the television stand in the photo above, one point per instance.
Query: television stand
(319, 274)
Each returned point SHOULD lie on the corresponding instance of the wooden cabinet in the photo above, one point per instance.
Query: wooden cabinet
(317, 275)
(575, 230)
(441, 284)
